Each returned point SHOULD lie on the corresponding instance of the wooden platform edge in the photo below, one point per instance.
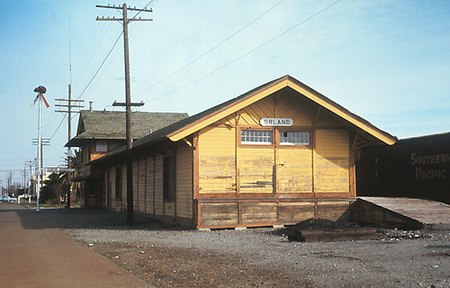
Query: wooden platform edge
(366, 213)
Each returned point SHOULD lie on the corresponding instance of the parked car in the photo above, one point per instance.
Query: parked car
(7, 198)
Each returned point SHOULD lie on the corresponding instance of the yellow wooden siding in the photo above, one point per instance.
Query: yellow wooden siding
(331, 161)
(299, 109)
(184, 182)
(169, 209)
(124, 186)
(159, 205)
(256, 170)
(150, 185)
(250, 116)
(141, 185)
(217, 167)
(294, 170)
(327, 119)
(135, 168)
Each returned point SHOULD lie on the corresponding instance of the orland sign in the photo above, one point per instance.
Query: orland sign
(286, 122)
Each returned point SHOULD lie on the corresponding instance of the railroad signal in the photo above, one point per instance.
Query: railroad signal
(41, 91)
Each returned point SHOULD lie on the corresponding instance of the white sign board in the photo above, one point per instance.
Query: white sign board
(276, 122)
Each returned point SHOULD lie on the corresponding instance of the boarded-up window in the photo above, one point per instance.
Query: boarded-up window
(118, 190)
(169, 179)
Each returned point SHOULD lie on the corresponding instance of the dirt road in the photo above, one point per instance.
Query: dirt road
(35, 253)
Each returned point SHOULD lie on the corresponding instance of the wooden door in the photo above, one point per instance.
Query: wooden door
(294, 170)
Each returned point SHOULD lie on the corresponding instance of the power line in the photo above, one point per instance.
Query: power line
(100, 67)
(93, 77)
(90, 81)
(145, 8)
(250, 51)
(210, 50)
(59, 126)
(95, 38)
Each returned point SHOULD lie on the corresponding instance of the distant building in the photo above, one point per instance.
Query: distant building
(100, 132)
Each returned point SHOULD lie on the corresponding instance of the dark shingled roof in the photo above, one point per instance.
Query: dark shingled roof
(110, 125)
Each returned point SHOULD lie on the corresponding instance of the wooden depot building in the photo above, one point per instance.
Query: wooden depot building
(100, 132)
(278, 154)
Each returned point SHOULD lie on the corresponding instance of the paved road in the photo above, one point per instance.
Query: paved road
(35, 252)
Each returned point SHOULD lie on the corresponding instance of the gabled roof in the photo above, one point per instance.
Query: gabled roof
(110, 125)
(188, 126)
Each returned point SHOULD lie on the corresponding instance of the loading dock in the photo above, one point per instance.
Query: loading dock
(403, 213)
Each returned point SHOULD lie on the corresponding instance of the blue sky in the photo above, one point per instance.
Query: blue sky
(387, 61)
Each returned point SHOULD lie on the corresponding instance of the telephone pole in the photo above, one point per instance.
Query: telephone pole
(67, 105)
(29, 164)
(125, 21)
(40, 98)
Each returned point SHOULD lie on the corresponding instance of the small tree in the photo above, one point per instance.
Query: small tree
(52, 192)
(76, 164)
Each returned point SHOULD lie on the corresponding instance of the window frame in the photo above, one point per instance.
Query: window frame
(103, 144)
(291, 144)
(276, 137)
(257, 144)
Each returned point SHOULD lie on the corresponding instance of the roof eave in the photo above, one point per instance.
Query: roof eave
(269, 89)
(227, 110)
(343, 113)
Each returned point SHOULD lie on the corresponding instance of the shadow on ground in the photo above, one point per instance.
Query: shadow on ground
(79, 218)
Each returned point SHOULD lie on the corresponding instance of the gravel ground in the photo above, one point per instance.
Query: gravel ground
(172, 257)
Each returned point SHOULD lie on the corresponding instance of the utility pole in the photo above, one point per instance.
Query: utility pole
(24, 180)
(39, 160)
(41, 142)
(125, 20)
(69, 104)
(29, 164)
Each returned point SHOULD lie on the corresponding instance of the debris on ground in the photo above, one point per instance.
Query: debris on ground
(317, 229)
